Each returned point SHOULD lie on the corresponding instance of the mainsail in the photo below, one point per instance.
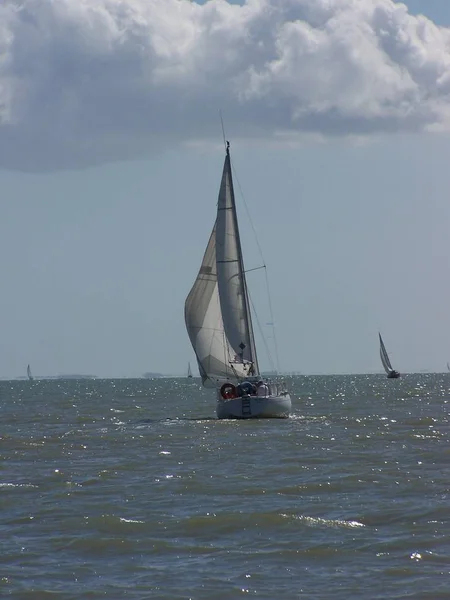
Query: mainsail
(384, 357)
(30, 376)
(231, 275)
(217, 311)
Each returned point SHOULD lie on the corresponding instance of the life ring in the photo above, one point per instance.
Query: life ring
(228, 391)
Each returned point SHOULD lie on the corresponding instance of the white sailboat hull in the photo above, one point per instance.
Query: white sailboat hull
(255, 407)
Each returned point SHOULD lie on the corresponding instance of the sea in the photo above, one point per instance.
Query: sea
(133, 489)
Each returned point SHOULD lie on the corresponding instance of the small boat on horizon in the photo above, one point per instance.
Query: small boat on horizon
(385, 360)
(189, 372)
(219, 322)
(29, 375)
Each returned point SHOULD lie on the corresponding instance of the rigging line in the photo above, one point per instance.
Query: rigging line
(223, 129)
(272, 320)
(263, 337)
(275, 343)
(236, 178)
(277, 358)
(255, 269)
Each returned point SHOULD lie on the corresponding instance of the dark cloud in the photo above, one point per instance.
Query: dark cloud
(84, 82)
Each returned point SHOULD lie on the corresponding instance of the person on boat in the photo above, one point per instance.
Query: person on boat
(262, 389)
(246, 388)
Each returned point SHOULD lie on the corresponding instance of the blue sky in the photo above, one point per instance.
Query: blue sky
(102, 233)
(437, 10)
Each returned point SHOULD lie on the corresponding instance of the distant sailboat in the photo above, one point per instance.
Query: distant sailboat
(219, 324)
(448, 367)
(30, 376)
(189, 373)
(390, 372)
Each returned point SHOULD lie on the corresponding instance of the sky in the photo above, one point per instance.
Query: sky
(111, 152)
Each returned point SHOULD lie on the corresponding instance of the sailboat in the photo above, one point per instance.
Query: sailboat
(219, 322)
(390, 372)
(189, 373)
(30, 376)
(448, 367)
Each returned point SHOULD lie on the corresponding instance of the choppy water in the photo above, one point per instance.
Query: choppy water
(132, 489)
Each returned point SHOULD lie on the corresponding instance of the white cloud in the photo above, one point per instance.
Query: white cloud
(87, 81)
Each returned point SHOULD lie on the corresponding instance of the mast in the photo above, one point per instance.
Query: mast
(247, 311)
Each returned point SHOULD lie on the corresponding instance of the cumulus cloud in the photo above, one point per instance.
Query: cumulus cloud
(88, 81)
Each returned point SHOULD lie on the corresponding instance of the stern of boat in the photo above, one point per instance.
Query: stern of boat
(255, 407)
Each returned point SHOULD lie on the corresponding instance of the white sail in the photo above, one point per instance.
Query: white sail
(219, 324)
(204, 322)
(384, 357)
(30, 376)
(231, 276)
